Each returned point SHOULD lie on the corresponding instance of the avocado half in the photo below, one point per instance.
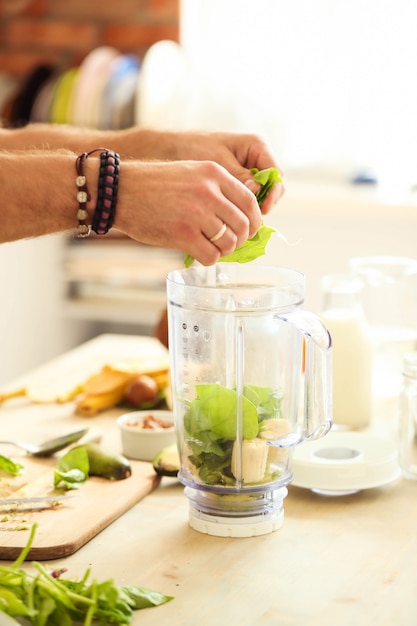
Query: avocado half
(167, 461)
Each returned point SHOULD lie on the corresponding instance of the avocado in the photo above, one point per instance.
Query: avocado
(106, 463)
(167, 461)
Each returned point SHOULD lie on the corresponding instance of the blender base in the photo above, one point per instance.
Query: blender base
(239, 526)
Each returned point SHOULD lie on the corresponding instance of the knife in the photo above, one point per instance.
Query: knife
(35, 500)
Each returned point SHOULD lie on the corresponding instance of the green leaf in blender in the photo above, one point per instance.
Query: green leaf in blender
(266, 400)
(210, 426)
(215, 410)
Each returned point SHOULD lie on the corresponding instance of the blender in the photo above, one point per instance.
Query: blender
(251, 379)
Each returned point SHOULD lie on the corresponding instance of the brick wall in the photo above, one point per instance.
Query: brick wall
(63, 32)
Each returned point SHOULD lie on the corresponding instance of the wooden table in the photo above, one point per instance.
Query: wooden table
(338, 561)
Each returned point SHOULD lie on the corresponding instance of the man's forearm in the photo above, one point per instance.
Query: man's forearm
(43, 201)
(136, 143)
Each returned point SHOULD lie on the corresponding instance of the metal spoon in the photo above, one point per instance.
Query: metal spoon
(48, 448)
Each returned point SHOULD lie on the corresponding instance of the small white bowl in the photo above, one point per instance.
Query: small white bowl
(143, 444)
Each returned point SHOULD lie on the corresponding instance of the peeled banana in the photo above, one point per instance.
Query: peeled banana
(14, 393)
(104, 389)
(88, 406)
(251, 467)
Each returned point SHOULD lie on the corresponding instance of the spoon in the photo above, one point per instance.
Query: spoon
(48, 448)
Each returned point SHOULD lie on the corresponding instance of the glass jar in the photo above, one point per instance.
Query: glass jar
(408, 417)
(390, 304)
(343, 315)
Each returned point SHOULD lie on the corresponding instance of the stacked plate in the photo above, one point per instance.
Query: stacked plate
(108, 90)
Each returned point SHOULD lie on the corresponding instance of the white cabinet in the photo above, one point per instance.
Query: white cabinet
(57, 292)
(115, 280)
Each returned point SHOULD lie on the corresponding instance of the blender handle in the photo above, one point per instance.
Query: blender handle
(317, 373)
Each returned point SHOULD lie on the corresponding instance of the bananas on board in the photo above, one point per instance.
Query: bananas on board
(110, 386)
(113, 383)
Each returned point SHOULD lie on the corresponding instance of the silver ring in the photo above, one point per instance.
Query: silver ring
(219, 234)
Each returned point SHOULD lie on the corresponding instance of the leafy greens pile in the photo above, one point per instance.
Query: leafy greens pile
(256, 246)
(210, 426)
(46, 599)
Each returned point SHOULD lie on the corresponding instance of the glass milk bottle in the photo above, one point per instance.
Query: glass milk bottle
(351, 348)
(408, 417)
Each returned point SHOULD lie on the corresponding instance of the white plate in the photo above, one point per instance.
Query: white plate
(161, 91)
(88, 88)
(345, 462)
(119, 91)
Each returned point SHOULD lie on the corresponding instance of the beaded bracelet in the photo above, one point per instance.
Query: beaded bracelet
(108, 185)
(83, 195)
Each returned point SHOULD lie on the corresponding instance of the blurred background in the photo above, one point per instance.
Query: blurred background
(330, 84)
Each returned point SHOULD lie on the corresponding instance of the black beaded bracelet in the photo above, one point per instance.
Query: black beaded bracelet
(108, 185)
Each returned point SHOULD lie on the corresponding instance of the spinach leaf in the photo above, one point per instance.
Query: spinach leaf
(210, 426)
(72, 469)
(266, 400)
(215, 410)
(267, 179)
(256, 246)
(10, 467)
(252, 248)
(44, 598)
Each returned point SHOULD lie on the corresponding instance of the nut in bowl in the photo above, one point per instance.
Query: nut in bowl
(145, 433)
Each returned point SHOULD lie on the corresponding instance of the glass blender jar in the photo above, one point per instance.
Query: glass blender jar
(251, 379)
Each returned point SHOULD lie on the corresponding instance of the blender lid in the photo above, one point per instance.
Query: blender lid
(345, 462)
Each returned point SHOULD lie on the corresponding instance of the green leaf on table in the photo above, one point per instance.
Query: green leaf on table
(143, 598)
(10, 467)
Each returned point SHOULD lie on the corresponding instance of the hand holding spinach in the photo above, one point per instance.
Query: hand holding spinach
(256, 246)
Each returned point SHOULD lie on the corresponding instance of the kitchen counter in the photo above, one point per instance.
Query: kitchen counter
(335, 561)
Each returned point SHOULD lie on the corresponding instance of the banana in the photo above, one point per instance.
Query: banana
(161, 379)
(88, 406)
(106, 388)
(70, 395)
(275, 429)
(107, 381)
(14, 393)
(254, 453)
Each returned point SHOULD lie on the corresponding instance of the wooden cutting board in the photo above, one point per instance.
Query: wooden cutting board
(67, 526)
